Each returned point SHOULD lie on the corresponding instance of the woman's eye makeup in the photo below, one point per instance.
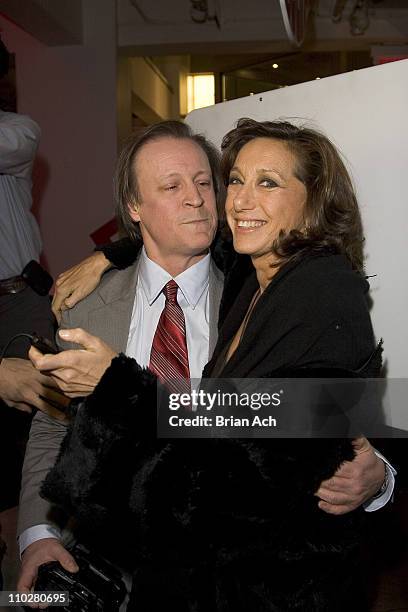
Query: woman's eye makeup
(263, 182)
(268, 182)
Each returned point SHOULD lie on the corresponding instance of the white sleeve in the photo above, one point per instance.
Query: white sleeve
(376, 503)
(37, 532)
(19, 138)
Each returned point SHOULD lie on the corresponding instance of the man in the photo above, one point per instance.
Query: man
(175, 206)
(166, 184)
(22, 309)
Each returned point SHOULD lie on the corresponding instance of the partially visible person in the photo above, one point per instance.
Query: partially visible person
(22, 310)
(22, 388)
(234, 525)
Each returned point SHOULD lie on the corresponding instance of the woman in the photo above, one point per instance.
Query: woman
(291, 207)
(233, 524)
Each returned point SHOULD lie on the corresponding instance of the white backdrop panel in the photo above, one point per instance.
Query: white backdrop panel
(365, 113)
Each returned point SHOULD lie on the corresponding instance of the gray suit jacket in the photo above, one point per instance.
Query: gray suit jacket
(106, 313)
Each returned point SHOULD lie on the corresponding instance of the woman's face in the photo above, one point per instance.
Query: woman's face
(264, 196)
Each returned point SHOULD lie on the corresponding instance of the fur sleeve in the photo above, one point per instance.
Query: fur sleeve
(121, 253)
(96, 461)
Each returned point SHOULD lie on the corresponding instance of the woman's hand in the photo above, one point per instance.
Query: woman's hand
(76, 372)
(78, 282)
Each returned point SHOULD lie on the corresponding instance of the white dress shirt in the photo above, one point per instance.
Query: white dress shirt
(193, 299)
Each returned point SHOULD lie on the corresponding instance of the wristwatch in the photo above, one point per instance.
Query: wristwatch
(384, 485)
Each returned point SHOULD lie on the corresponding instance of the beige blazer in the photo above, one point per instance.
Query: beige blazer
(106, 313)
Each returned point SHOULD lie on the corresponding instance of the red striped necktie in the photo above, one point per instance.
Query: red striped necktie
(169, 355)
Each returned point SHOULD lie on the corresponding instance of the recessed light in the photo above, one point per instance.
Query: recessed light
(275, 65)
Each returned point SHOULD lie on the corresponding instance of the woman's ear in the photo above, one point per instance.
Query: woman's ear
(133, 208)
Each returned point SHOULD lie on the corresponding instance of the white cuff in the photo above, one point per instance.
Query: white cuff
(376, 503)
(37, 532)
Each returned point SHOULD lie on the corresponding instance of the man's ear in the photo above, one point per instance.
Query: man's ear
(133, 208)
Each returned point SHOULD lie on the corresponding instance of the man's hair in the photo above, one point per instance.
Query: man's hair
(4, 59)
(331, 217)
(126, 184)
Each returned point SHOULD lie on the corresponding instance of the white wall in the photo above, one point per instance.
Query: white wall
(71, 92)
(365, 113)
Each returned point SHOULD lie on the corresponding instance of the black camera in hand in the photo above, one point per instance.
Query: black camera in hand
(96, 587)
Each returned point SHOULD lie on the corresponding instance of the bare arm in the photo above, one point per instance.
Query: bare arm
(23, 387)
(78, 282)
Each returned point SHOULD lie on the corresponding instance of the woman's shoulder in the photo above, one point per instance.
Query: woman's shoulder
(328, 272)
(322, 288)
(324, 263)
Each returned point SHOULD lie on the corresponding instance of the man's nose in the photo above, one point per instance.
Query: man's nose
(193, 197)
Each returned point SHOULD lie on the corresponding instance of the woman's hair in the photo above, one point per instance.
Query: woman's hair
(126, 189)
(331, 216)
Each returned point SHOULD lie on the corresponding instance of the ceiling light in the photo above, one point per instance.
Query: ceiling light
(275, 65)
(200, 91)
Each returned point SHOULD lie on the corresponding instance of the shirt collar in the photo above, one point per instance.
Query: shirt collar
(192, 282)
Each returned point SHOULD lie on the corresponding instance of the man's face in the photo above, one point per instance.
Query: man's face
(176, 210)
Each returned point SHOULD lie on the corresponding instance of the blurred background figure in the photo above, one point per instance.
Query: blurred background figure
(24, 300)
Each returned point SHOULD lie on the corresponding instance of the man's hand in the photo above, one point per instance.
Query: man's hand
(354, 483)
(23, 387)
(78, 282)
(76, 372)
(38, 553)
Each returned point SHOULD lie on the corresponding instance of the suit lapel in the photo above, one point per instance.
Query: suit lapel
(112, 318)
(215, 287)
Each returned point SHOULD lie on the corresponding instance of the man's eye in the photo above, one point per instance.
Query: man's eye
(170, 187)
(204, 183)
(266, 182)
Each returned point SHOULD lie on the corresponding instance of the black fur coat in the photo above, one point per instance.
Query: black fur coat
(206, 525)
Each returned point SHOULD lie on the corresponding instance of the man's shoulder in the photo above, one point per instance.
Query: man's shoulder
(115, 284)
(21, 121)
